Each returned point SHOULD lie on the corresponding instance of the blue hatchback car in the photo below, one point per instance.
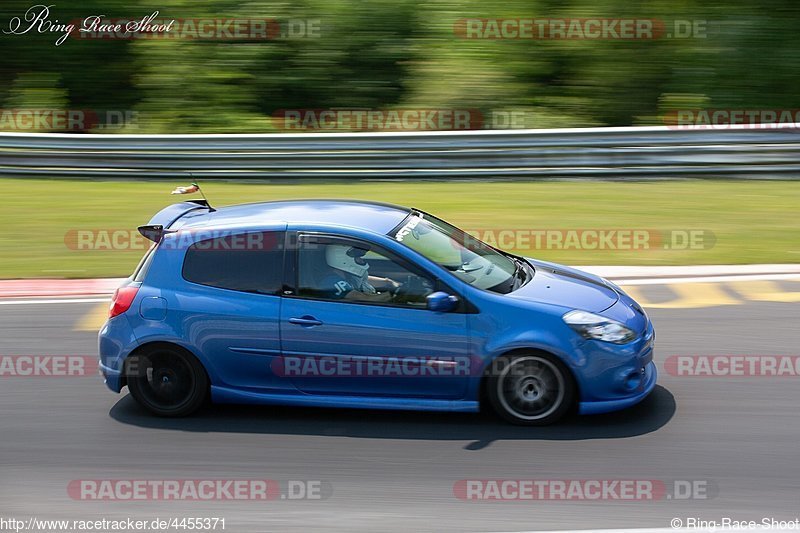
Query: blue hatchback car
(356, 304)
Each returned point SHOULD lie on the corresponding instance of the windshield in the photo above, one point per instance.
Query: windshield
(468, 258)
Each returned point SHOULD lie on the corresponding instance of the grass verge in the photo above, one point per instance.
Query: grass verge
(751, 221)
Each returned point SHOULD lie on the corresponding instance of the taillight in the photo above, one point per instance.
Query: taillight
(122, 300)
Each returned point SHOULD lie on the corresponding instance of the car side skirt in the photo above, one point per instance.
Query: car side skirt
(227, 395)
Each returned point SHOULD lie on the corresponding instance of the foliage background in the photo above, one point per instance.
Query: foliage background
(385, 54)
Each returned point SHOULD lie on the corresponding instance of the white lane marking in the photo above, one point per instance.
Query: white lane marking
(58, 301)
(706, 279)
(664, 529)
(652, 272)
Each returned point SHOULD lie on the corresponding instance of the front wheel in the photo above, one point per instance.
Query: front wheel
(530, 389)
(167, 381)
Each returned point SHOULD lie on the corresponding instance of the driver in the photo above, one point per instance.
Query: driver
(350, 279)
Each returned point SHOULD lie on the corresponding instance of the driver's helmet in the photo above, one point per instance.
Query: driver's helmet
(347, 258)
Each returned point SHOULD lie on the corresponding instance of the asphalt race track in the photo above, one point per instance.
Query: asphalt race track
(396, 471)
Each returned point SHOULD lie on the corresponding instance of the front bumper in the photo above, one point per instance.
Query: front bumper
(610, 387)
(607, 406)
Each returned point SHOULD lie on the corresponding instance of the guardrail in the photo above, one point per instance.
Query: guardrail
(605, 153)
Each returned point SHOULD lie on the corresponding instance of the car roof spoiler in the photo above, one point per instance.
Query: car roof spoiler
(161, 221)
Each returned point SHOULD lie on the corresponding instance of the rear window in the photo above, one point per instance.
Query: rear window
(246, 262)
(144, 265)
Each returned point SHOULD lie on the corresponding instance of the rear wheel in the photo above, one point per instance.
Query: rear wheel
(167, 381)
(531, 389)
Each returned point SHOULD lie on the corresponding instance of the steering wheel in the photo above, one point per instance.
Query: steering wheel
(413, 287)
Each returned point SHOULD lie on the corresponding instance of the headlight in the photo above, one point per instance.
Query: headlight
(598, 327)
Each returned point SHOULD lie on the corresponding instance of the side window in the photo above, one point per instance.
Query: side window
(247, 262)
(340, 269)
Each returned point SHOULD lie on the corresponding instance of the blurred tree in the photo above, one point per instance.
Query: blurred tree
(387, 54)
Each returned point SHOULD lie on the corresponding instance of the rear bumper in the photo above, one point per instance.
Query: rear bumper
(116, 341)
(113, 378)
(607, 406)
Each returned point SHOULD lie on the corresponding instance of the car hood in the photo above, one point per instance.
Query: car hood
(567, 287)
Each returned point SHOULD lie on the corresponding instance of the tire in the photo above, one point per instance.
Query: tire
(167, 381)
(530, 389)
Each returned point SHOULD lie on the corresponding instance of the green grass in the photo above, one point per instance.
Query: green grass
(754, 222)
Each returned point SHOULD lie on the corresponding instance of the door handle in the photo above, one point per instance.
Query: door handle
(305, 321)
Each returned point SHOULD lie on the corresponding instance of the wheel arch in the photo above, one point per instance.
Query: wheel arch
(164, 345)
(483, 397)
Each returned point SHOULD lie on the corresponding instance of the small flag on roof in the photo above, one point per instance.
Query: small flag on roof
(187, 190)
(193, 188)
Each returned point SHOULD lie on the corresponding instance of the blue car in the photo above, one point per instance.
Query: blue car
(344, 303)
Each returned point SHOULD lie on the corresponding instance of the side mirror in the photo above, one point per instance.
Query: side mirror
(441, 302)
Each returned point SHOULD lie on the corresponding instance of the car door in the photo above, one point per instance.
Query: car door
(348, 346)
(229, 305)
